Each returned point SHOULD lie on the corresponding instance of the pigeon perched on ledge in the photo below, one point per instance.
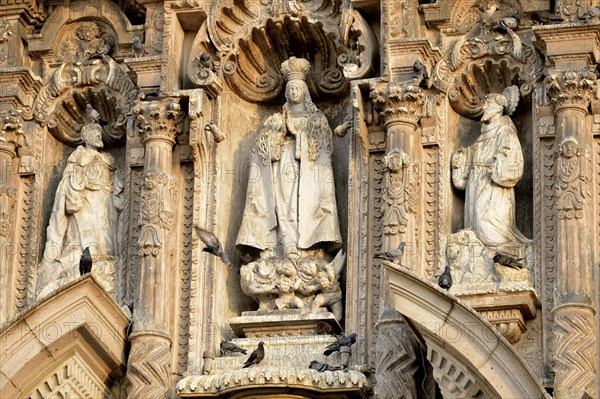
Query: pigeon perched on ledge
(321, 367)
(256, 356)
(445, 279)
(85, 262)
(346, 340)
(393, 255)
(228, 348)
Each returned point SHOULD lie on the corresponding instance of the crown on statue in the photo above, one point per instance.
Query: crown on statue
(295, 68)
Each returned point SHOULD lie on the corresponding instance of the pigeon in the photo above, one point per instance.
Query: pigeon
(213, 246)
(137, 48)
(323, 366)
(345, 340)
(85, 262)
(506, 24)
(419, 72)
(92, 113)
(393, 255)
(324, 328)
(205, 61)
(256, 356)
(544, 17)
(592, 13)
(507, 260)
(228, 348)
(445, 279)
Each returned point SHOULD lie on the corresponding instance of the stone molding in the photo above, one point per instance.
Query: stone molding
(468, 340)
(89, 326)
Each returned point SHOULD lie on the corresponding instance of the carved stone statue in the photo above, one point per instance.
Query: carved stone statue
(84, 215)
(488, 170)
(290, 217)
(290, 204)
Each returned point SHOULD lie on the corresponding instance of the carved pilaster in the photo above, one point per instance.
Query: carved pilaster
(400, 364)
(11, 138)
(401, 106)
(571, 93)
(158, 123)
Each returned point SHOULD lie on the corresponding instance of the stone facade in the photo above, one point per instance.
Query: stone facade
(425, 175)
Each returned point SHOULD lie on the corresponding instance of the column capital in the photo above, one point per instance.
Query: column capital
(11, 131)
(571, 88)
(159, 120)
(399, 102)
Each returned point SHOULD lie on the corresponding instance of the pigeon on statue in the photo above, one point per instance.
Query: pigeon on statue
(506, 24)
(507, 260)
(228, 348)
(256, 356)
(137, 48)
(321, 367)
(592, 13)
(85, 262)
(213, 246)
(345, 340)
(205, 61)
(420, 74)
(393, 255)
(445, 279)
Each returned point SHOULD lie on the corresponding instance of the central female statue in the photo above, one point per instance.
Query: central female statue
(290, 202)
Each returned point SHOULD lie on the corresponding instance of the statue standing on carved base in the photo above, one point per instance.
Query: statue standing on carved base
(290, 211)
(290, 202)
(84, 215)
(488, 170)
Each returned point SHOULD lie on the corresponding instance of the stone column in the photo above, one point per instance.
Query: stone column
(401, 107)
(574, 321)
(158, 122)
(11, 137)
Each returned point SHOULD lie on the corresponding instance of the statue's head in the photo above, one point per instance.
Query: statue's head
(493, 105)
(92, 135)
(294, 71)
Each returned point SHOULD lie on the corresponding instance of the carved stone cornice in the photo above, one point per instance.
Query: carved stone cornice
(159, 120)
(571, 89)
(32, 11)
(399, 102)
(569, 46)
(19, 88)
(11, 132)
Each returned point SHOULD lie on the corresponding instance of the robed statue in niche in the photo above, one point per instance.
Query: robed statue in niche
(290, 219)
(488, 170)
(85, 215)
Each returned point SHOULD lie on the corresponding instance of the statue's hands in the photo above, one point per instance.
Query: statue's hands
(459, 158)
(215, 131)
(342, 129)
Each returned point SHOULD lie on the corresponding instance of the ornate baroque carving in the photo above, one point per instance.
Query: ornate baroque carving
(571, 88)
(101, 82)
(5, 34)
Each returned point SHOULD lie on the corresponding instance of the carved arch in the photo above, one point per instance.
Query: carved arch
(469, 357)
(72, 343)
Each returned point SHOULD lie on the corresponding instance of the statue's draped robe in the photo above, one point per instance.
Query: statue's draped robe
(84, 215)
(496, 165)
(290, 200)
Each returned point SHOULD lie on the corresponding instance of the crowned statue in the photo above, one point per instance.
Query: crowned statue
(290, 213)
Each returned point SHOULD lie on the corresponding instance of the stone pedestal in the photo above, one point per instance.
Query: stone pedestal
(507, 311)
(281, 323)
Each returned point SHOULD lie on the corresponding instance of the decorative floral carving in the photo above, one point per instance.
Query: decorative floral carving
(572, 88)
(399, 101)
(159, 120)
(11, 131)
(156, 215)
